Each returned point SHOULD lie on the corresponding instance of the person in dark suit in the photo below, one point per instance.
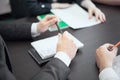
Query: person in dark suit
(29, 29)
(66, 50)
(37, 7)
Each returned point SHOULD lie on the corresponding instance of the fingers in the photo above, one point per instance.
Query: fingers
(107, 46)
(103, 18)
(67, 35)
(49, 17)
(98, 14)
(90, 14)
(51, 22)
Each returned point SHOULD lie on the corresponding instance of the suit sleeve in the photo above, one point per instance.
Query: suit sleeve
(78, 1)
(15, 31)
(36, 8)
(53, 70)
(5, 66)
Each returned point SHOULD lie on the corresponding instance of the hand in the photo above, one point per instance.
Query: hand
(60, 5)
(98, 14)
(44, 24)
(104, 57)
(66, 44)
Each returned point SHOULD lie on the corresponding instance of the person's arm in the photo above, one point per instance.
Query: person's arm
(92, 10)
(58, 67)
(15, 31)
(104, 58)
(53, 70)
(109, 2)
(36, 7)
(18, 31)
(5, 65)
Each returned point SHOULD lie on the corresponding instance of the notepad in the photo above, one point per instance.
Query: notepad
(46, 48)
(75, 16)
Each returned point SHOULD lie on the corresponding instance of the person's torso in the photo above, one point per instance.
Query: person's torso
(61, 1)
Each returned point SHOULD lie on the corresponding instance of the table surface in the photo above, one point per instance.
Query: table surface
(83, 67)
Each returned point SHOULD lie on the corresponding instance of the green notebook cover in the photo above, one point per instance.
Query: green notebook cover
(61, 23)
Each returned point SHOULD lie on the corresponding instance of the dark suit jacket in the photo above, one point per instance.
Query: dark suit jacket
(19, 8)
(50, 71)
(15, 31)
(35, 7)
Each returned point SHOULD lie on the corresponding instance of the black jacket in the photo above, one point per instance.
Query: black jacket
(15, 31)
(37, 7)
(19, 8)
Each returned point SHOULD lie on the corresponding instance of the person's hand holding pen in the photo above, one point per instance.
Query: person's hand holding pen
(48, 21)
(66, 45)
(105, 57)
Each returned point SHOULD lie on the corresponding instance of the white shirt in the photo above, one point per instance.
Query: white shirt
(108, 74)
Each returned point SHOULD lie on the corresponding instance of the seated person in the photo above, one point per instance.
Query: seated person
(109, 2)
(29, 30)
(104, 58)
(37, 7)
(66, 50)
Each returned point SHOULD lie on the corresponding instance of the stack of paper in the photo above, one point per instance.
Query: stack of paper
(75, 17)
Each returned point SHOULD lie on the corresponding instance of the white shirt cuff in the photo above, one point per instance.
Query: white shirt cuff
(34, 30)
(63, 57)
(108, 74)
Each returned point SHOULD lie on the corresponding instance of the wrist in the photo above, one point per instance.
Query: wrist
(66, 52)
(63, 57)
(87, 4)
(104, 67)
(55, 5)
(38, 28)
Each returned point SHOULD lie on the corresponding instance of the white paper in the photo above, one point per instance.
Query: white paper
(75, 17)
(47, 47)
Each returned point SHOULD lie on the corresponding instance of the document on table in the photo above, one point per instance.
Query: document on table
(46, 48)
(75, 16)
